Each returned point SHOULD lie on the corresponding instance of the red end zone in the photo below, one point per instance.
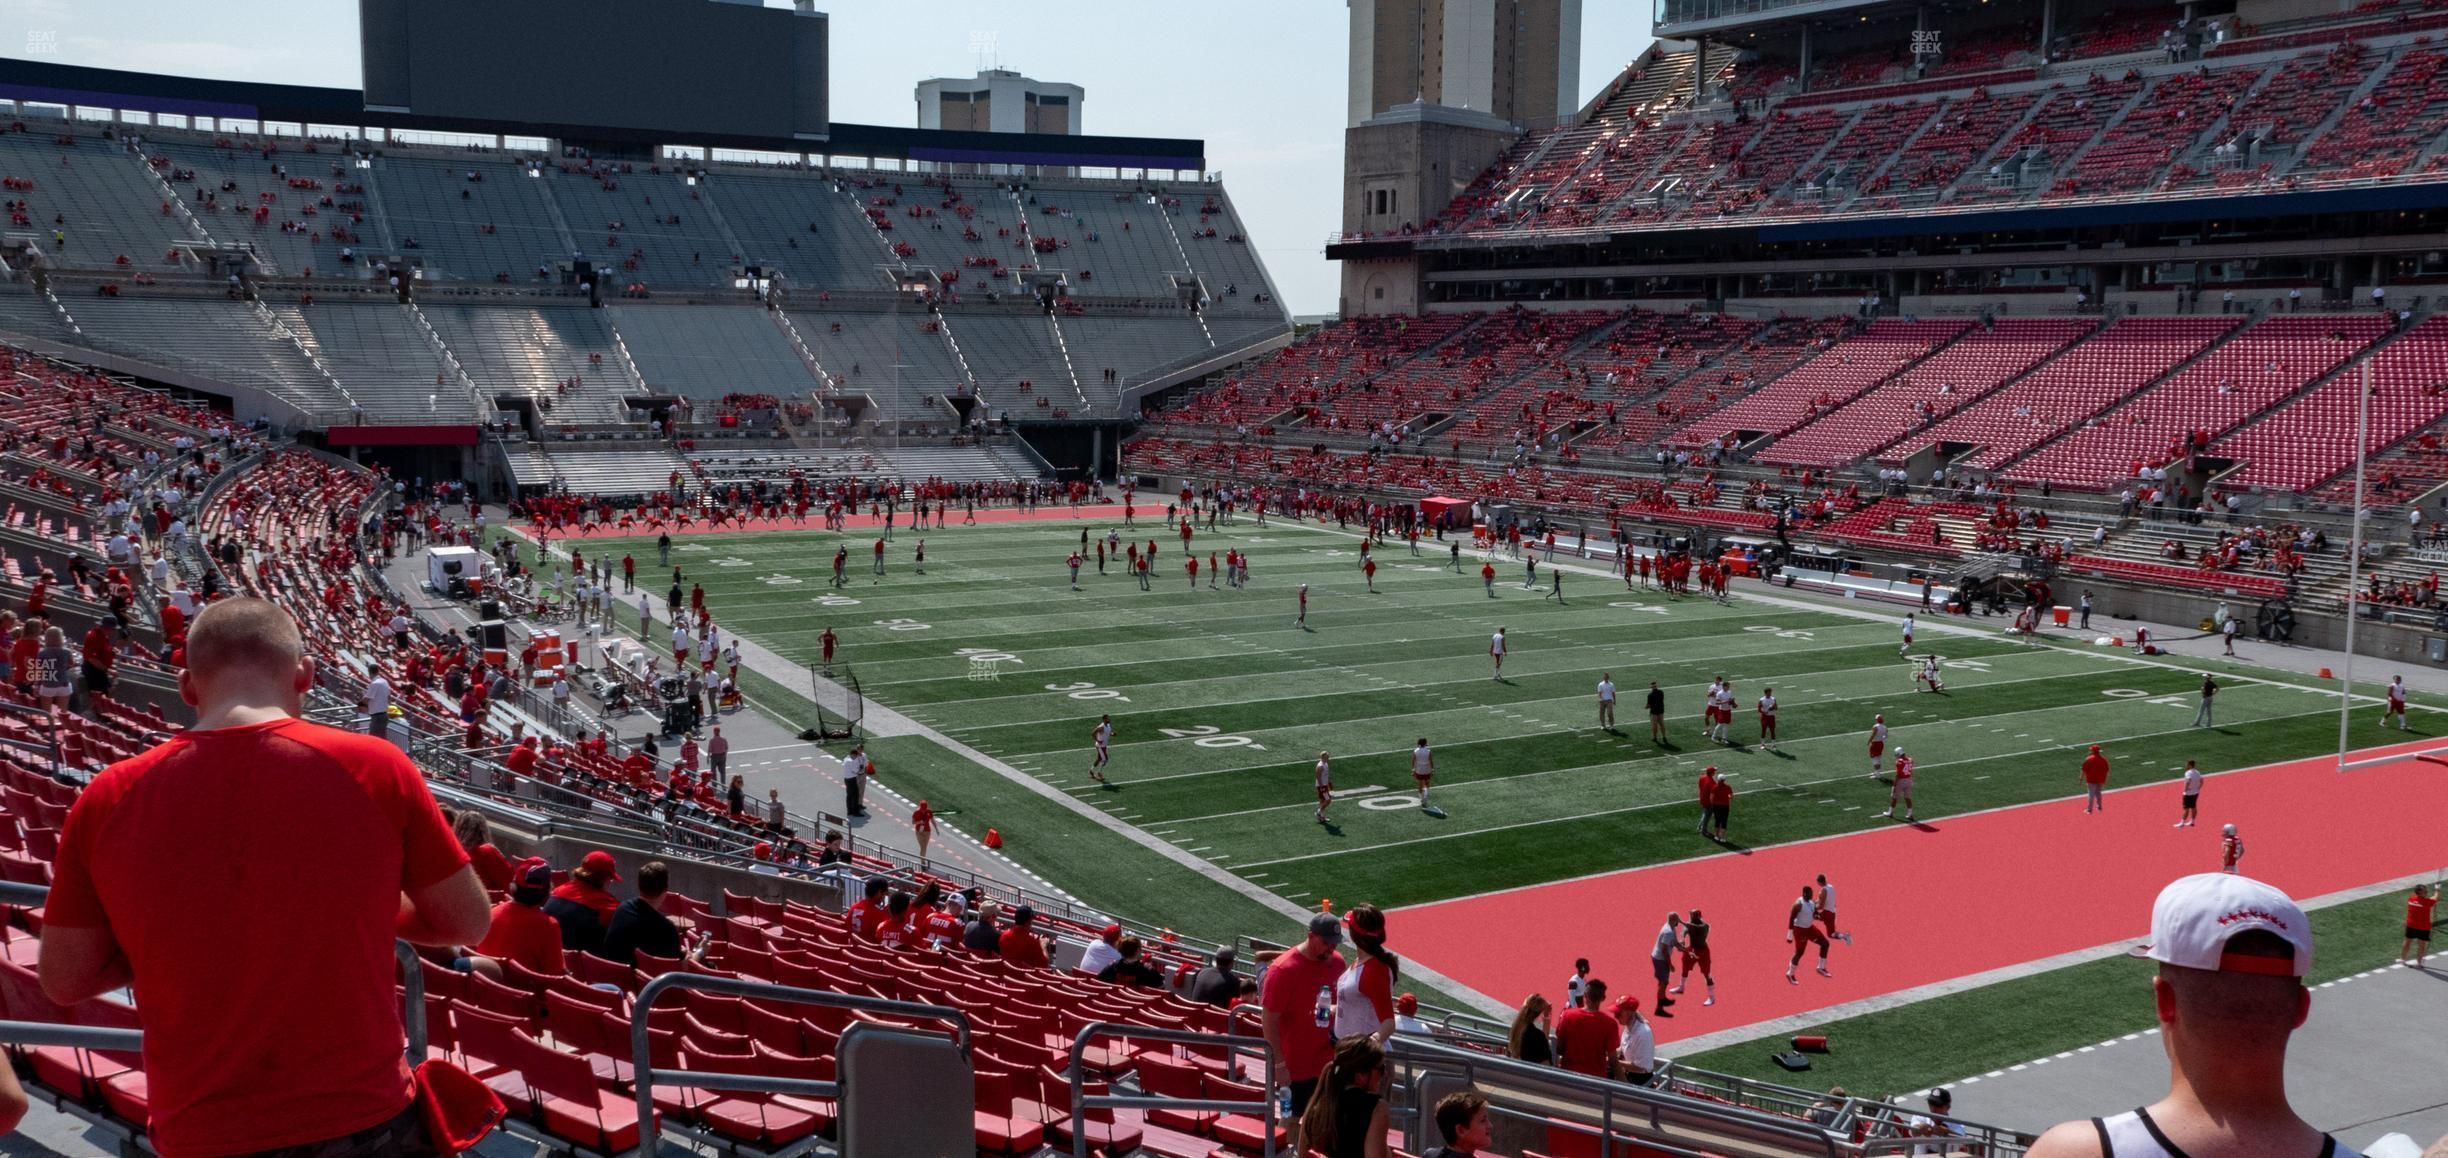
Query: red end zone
(1950, 899)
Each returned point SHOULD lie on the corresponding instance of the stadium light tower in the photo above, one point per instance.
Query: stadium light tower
(2354, 545)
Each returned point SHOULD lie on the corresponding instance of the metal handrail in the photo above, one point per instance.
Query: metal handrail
(412, 968)
(1082, 1100)
(1619, 1106)
(642, 1062)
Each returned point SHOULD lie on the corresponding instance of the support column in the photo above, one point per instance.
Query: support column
(2048, 25)
(1802, 79)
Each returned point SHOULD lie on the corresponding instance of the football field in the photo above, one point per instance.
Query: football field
(1221, 703)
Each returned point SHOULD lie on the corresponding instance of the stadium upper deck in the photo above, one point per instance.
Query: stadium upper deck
(1893, 120)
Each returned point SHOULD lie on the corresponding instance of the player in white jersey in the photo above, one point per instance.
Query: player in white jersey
(1901, 790)
(2396, 704)
(1496, 651)
(1908, 634)
(1878, 743)
(2231, 849)
(1325, 787)
(1802, 928)
(1606, 701)
(1767, 717)
(1423, 767)
(1928, 675)
(1101, 736)
(1725, 713)
(2192, 795)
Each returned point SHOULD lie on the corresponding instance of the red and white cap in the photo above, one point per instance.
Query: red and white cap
(2194, 917)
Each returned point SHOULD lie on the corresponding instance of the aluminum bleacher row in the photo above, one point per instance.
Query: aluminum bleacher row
(465, 220)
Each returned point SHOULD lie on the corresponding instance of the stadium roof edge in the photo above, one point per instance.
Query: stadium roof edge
(48, 83)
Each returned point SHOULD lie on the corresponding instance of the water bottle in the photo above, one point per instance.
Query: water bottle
(1283, 1103)
(1325, 1007)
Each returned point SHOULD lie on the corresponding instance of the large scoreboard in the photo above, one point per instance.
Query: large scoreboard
(706, 67)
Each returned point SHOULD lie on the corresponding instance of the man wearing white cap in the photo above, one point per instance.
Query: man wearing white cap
(2232, 954)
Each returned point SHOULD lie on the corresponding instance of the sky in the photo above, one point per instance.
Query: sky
(1261, 81)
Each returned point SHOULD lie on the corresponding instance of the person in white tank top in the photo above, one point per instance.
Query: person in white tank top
(2232, 953)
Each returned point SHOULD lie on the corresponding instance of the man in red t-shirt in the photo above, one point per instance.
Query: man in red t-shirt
(1296, 998)
(521, 931)
(1585, 1039)
(1021, 947)
(262, 1030)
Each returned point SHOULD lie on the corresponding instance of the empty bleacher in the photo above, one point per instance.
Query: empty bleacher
(2311, 438)
(528, 350)
(1016, 359)
(645, 223)
(92, 192)
(2128, 354)
(710, 351)
(1955, 377)
(382, 359)
(1110, 242)
(2251, 372)
(798, 223)
(1824, 382)
(472, 218)
(892, 357)
(1130, 346)
(220, 339)
(612, 471)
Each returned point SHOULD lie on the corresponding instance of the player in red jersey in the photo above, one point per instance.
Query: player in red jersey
(1487, 576)
(1368, 571)
(1303, 621)
(922, 827)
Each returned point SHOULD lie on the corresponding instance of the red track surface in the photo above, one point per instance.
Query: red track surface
(1050, 512)
(1944, 900)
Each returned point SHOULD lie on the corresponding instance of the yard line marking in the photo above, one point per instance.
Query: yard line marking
(1847, 737)
(1674, 804)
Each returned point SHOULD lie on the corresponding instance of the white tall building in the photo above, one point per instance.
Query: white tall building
(999, 100)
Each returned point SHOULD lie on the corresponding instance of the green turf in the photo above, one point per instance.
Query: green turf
(1221, 703)
(1944, 1039)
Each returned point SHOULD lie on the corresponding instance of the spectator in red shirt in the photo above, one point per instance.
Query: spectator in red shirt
(262, 1030)
(521, 932)
(1021, 947)
(493, 870)
(582, 905)
(2095, 779)
(1297, 985)
(101, 647)
(521, 759)
(1585, 1039)
(870, 913)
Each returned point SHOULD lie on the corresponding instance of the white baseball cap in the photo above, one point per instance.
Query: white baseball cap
(2194, 916)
